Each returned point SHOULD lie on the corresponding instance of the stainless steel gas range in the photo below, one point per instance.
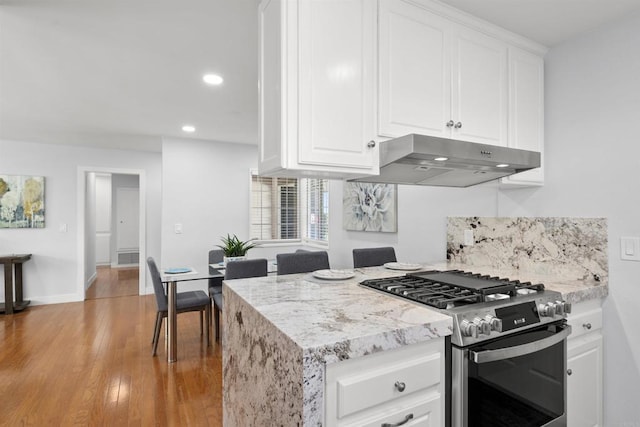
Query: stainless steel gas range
(506, 357)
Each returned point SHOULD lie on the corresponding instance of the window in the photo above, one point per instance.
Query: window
(274, 208)
(289, 209)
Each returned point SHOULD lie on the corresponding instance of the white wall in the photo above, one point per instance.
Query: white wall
(592, 163)
(205, 187)
(89, 229)
(422, 222)
(52, 274)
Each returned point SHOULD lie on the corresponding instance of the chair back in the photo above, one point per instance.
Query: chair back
(158, 289)
(369, 257)
(242, 269)
(302, 262)
(216, 256)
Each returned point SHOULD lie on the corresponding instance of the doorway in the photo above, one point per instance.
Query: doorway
(111, 233)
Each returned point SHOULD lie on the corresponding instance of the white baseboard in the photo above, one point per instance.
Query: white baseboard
(55, 299)
(90, 281)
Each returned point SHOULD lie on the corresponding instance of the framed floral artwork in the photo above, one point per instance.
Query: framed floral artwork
(21, 201)
(370, 207)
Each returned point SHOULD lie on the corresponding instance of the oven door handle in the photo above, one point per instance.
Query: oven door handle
(519, 350)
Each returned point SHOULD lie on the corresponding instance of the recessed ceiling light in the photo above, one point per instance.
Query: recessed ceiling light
(212, 79)
(502, 165)
(441, 159)
(188, 128)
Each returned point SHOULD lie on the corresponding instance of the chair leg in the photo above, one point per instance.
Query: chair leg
(207, 312)
(201, 321)
(216, 315)
(156, 333)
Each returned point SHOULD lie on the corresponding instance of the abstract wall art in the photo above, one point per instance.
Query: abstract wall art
(21, 201)
(370, 207)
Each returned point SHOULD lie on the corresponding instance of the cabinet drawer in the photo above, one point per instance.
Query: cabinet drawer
(425, 413)
(358, 392)
(585, 322)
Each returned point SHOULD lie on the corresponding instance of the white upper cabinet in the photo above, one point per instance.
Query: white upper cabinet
(414, 63)
(338, 76)
(439, 78)
(479, 92)
(317, 88)
(526, 111)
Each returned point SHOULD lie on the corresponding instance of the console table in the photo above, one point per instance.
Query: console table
(13, 267)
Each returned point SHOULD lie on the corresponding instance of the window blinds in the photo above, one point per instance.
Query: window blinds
(274, 208)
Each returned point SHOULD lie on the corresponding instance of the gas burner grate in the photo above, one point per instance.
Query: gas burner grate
(431, 293)
(447, 289)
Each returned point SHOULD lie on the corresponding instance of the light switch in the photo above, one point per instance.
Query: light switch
(468, 238)
(62, 228)
(177, 228)
(630, 248)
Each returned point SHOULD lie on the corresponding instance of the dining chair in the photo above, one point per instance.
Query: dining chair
(369, 257)
(302, 262)
(240, 269)
(185, 302)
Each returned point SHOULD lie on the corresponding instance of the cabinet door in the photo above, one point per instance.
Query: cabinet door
(335, 83)
(272, 136)
(584, 385)
(414, 71)
(479, 100)
(526, 110)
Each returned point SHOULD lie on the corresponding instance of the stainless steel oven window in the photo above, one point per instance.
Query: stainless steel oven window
(519, 380)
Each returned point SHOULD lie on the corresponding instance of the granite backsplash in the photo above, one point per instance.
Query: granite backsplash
(565, 248)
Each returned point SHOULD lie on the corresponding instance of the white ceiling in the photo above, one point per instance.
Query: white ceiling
(124, 73)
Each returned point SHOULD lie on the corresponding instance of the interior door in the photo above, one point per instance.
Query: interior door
(128, 212)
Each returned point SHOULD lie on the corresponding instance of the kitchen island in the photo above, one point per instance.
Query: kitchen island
(282, 334)
(281, 331)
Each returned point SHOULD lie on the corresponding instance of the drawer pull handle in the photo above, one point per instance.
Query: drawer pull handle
(586, 326)
(406, 420)
(400, 386)
(569, 372)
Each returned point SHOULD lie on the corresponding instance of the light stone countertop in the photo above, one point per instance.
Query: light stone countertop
(318, 314)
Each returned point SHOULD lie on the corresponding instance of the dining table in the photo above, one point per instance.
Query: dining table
(171, 277)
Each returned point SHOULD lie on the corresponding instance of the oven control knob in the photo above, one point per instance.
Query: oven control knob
(559, 306)
(494, 323)
(548, 310)
(468, 329)
(566, 306)
(484, 328)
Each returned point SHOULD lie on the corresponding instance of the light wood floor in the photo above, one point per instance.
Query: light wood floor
(113, 282)
(90, 363)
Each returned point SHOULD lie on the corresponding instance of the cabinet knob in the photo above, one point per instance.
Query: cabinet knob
(569, 372)
(458, 125)
(371, 144)
(586, 325)
(450, 123)
(400, 386)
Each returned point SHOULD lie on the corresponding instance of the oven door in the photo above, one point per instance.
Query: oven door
(517, 380)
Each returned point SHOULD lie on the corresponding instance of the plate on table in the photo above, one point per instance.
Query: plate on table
(402, 266)
(178, 270)
(333, 274)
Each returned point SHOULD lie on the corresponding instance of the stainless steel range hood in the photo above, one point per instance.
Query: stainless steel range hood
(411, 159)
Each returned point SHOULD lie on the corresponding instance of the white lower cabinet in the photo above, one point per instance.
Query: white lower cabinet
(404, 386)
(585, 366)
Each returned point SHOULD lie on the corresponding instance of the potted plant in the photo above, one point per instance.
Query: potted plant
(234, 248)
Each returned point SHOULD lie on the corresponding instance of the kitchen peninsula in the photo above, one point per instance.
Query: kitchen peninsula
(281, 331)
(285, 335)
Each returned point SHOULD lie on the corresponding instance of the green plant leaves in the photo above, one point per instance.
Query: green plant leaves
(233, 246)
